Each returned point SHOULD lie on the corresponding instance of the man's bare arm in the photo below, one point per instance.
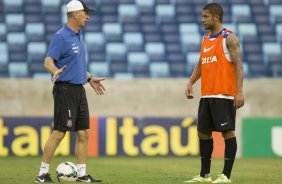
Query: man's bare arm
(233, 46)
(51, 67)
(194, 77)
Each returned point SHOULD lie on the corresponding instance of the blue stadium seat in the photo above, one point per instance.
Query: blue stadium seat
(171, 38)
(18, 69)
(123, 28)
(133, 38)
(97, 56)
(94, 38)
(240, 10)
(123, 76)
(33, 18)
(36, 52)
(125, 10)
(150, 28)
(3, 32)
(35, 31)
(169, 28)
(16, 46)
(2, 18)
(37, 67)
(191, 39)
(41, 76)
(140, 71)
(116, 67)
(15, 22)
(246, 71)
(129, 19)
(4, 72)
(108, 9)
(259, 70)
(32, 7)
(3, 53)
(109, 18)
(246, 29)
(153, 37)
(137, 58)
(275, 11)
(255, 58)
(149, 3)
(231, 27)
(162, 1)
(267, 32)
(178, 69)
(183, 9)
(13, 6)
(52, 3)
(159, 69)
(126, 1)
(115, 48)
(99, 68)
(112, 28)
(16, 38)
(189, 28)
(272, 48)
(165, 10)
(192, 58)
(155, 51)
(173, 48)
(278, 29)
(64, 17)
(155, 48)
(135, 48)
(145, 10)
(252, 47)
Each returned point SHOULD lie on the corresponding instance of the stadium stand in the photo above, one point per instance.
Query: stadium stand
(139, 38)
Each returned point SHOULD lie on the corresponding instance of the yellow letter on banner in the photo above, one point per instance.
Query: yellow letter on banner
(157, 141)
(128, 131)
(27, 142)
(192, 146)
(111, 137)
(3, 131)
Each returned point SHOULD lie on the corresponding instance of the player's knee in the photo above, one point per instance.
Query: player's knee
(58, 135)
(204, 135)
(228, 134)
(82, 136)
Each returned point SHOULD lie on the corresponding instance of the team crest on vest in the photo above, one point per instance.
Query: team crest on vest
(69, 122)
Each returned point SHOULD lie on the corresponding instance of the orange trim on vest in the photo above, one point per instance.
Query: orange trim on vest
(218, 75)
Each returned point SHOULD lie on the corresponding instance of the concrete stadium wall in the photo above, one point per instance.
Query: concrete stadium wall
(142, 97)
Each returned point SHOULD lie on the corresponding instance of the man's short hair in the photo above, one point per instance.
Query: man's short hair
(215, 9)
(70, 14)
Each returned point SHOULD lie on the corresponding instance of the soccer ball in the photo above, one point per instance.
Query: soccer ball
(67, 171)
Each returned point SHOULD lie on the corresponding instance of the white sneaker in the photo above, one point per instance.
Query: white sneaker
(222, 179)
(199, 179)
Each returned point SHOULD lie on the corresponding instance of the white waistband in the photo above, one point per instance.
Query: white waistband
(219, 96)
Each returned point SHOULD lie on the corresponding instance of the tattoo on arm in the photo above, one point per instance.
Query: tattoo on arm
(236, 57)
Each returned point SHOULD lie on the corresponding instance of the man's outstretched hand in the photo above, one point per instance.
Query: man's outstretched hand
(58, 73)
(96, 84)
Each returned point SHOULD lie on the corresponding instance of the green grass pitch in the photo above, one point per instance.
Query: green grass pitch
(158, 170)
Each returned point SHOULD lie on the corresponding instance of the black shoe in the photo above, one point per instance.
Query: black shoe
(44, 178)
(88, 179)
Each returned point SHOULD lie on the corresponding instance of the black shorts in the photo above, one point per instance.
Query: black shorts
(216, 114)
(71, 111)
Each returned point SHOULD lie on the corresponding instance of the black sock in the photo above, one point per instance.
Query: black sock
(229, 155)
(206, 148)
